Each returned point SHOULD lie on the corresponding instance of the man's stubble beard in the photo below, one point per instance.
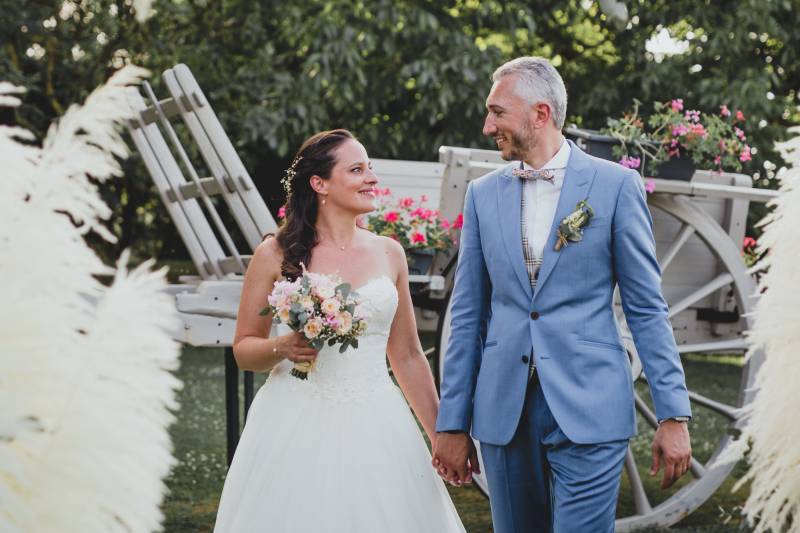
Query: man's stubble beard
(521, 143)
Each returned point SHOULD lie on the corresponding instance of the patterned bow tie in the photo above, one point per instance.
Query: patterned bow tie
(532, 174)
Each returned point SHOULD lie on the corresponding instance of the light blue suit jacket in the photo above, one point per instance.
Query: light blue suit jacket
(583, 368)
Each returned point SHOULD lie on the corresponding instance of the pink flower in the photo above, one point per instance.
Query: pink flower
(718, 160)
(739, 133)
(391, 216)
(679, 130)
(745, 154)
(458, 223)
(739, 116)
(749, 242)
(423, 198)
(699, 130)
(677, 105)
(406, 202)
(445, 223)
(630, 162)
(650, 185)
(386, 192)
(692, 115)
(724, 111)
(418, 237)
(282, 212)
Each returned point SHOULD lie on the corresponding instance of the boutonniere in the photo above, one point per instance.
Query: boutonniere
(571, 228)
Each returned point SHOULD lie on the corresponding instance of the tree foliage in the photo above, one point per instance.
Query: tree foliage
(406, 76)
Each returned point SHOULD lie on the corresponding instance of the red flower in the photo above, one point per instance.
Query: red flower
(749, 242)
(740, 116)
(459, 221)
(406, 202)
(391, 216)
(418, 237)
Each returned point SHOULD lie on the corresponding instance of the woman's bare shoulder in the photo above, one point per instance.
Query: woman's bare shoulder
(268, 257)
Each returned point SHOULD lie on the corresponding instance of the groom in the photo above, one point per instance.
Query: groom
(535, 365)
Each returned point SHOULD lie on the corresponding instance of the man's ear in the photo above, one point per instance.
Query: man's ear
(319, 185)
(542, 114)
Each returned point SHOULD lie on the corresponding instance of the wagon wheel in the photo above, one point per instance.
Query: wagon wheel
(732, 290)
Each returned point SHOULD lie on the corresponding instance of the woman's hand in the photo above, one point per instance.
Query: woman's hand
(294, 347)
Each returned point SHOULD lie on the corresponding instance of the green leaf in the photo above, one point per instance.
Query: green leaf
(266, 311)
(344, 289)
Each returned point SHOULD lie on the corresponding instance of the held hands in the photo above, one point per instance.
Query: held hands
(671, 444)
(455, 458)
(294, 347)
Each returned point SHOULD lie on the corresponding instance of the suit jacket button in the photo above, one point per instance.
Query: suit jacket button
(525, 359)
(535, 315)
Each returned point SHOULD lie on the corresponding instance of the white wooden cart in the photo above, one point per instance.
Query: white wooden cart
(699, 226)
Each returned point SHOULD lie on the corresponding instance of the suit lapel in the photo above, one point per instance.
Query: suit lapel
(509, 205)
(577, 182)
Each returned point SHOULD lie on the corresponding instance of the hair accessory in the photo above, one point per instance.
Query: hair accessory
(289, 175)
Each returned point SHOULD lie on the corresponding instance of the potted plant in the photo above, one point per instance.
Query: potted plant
(420, 230)
(673, 140)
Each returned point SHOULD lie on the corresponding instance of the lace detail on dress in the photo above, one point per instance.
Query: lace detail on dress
(356, 374)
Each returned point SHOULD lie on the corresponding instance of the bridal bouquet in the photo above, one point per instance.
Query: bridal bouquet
(321, 307)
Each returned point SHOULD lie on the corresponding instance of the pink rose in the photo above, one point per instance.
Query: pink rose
(391, 216)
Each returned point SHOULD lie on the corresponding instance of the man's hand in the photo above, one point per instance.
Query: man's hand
(455, 457)
(671, 445)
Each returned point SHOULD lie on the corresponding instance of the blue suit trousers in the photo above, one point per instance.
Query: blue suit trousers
(543, 482)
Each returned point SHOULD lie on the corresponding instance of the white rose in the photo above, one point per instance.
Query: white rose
(283, 315)
(313, 328)
(307, 302)
(330, 306)
(325, 290)
(345, 323)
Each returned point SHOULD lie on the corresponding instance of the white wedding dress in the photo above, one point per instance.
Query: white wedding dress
(338, 452)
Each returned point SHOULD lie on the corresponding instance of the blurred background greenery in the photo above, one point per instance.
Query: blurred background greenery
(406, 76)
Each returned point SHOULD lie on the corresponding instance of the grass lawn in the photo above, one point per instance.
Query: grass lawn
(199, 439)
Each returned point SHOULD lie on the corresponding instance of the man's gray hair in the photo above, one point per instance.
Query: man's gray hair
(538, 81)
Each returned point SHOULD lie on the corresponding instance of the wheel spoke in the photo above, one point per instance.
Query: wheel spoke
(716, 283)
(724, 346)
(683, 236)
(728, 411)
(640, 499)
(697, 469)
(648, 415)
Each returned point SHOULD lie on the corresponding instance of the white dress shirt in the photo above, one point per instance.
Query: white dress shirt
(541, 200)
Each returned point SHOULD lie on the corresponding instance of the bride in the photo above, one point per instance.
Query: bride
(339, 451)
